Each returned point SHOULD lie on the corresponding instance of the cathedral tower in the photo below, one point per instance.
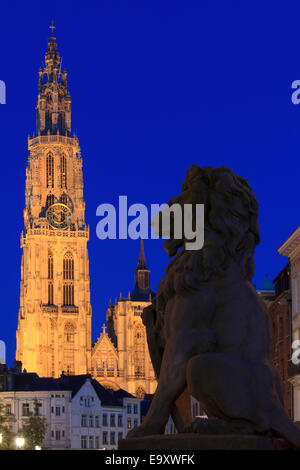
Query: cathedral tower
(54, 327)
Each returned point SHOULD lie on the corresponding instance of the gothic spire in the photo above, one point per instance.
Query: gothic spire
(142, 289)
(54, 101)
(52, 57)
(142, 261)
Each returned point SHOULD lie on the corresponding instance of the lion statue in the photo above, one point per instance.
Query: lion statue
(207, 329)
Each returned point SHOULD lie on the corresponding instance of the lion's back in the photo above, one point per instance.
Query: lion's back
(242, 324)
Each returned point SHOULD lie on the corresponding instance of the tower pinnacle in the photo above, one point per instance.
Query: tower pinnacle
(142, 288)
(52, 27)
(54, 101)
(142, 261)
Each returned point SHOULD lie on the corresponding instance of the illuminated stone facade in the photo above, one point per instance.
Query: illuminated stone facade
(54, 326)
(120, 356)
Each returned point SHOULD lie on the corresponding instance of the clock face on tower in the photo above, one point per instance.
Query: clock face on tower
(59, 215)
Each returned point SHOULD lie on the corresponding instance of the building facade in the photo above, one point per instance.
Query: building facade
(280, 321)
(54, 325)
(120, 356)
(80, 413)
(291, 249)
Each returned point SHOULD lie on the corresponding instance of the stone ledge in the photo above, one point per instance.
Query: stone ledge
(201, 442)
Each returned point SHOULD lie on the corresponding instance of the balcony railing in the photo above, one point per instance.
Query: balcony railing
(84, 233)
(49, 308)
(69, 309)
(64, 309)
(49, 139)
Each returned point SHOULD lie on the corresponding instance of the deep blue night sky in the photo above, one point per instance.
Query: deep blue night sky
(156, 86)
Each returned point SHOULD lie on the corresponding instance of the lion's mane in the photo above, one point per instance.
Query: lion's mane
(231, 231)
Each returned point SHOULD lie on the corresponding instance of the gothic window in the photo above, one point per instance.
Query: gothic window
(139, 352)
(63, 172)
(140, 392)
(68, 279)
(52, 353)
(110, 366)
(69, 349)
(50, 171)
(64, 199)
(50, 278)
(50, 200)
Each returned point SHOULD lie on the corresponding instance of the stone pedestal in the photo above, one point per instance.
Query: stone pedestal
(202, 442)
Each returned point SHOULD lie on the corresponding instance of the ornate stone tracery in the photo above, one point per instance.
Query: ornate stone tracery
(55, 289)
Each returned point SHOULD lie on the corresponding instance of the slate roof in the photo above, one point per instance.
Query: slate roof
(142, 295)
(31, 382)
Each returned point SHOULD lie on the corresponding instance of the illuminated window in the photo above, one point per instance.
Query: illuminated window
(50, 278)
(50, 171)
(68, 279)
(63, 172)
(139, 352)
(26, 411)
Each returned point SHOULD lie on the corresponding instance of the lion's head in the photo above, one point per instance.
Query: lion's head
(231, 229)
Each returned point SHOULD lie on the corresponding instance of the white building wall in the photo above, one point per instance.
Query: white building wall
(78, 422)
(97, 426)
(55, 407)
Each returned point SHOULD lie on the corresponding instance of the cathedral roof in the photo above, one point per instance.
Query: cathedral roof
(142, 295)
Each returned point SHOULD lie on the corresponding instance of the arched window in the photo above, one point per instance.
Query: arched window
(139, 351)
(50, 278)
(68, 279)
(140, 392)
(50, 200)
(69, 349)
(50, 171)
(63, 172)
(64, 198)
(52, 347)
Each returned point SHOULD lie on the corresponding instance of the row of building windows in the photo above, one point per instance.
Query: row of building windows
(93, 442)
(87, 401)
(112, 371)
(50, 171)
(91, 421)
(26, 409)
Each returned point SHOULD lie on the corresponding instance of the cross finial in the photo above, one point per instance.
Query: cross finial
(52, 27)
(104, 328)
